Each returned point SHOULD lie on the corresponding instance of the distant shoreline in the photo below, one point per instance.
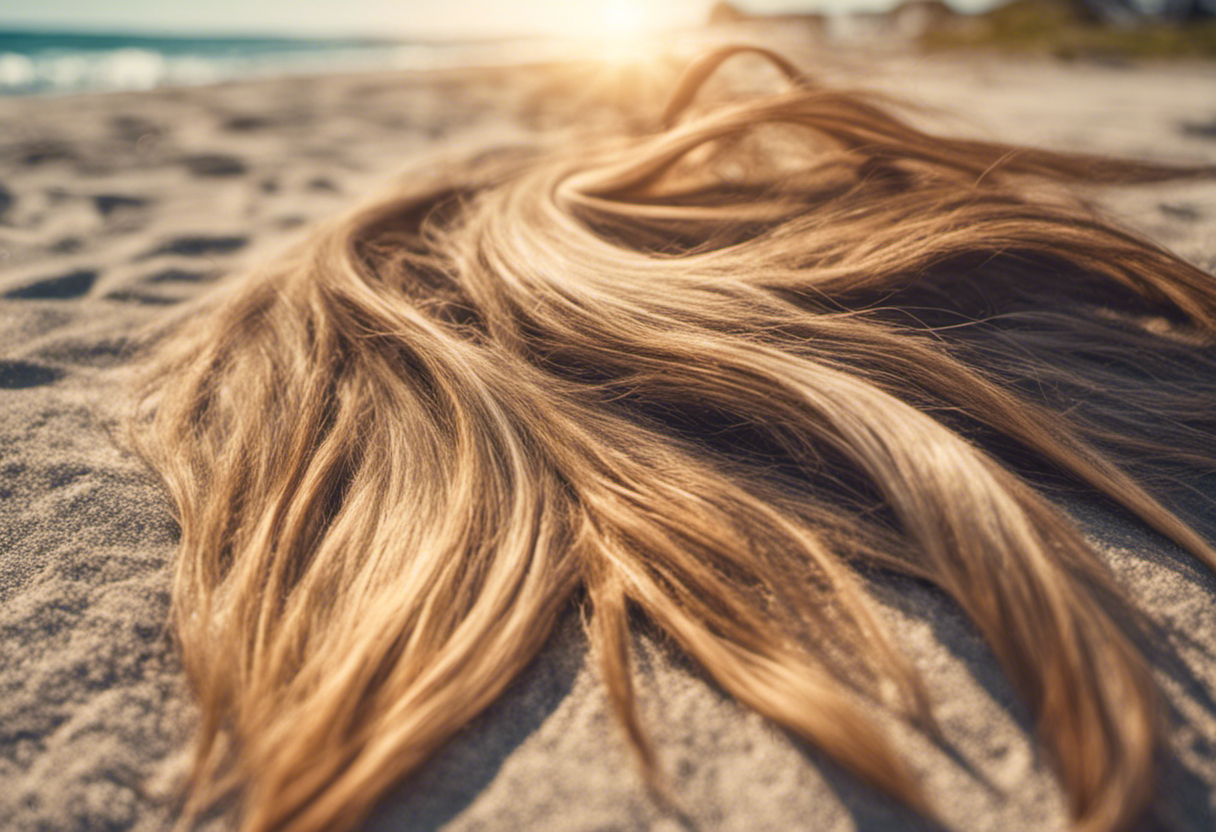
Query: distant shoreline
(49, 62)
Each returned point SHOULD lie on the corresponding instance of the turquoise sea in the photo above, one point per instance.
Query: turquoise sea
(48, 62)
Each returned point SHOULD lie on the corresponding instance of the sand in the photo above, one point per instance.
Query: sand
(115, 208)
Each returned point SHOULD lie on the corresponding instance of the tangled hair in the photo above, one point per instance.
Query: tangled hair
(715, 377)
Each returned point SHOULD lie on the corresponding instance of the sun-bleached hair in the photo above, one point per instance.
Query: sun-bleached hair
(713, 375)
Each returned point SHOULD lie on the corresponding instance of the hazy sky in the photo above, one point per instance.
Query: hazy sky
(431, 18)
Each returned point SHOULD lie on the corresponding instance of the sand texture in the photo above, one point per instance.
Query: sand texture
(114, 208)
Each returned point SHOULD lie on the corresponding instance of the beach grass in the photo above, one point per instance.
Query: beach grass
(1049, 27)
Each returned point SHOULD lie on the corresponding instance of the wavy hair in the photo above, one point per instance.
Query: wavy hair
(712, 375)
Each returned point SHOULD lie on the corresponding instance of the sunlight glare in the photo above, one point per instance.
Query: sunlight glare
(619, 19)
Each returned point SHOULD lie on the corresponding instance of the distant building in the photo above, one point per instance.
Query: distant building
(724, 13)
(912, 18)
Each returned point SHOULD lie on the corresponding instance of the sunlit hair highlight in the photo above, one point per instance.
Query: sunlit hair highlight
(711, 376)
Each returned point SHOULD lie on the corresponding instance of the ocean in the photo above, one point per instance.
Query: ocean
(46, 62)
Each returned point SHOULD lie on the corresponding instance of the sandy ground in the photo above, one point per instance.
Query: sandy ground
(115, 207)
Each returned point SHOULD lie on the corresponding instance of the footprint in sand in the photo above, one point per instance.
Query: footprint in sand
(179, 276)
(323, 184)
(243, 123)
(16, 375)
(66, 245)
(133, 128)
(84, 351)
(214, 165)
(1201, 129)
(108, 204)
(74, 284)
(42, 151)
(136, 296)
(167, 278)
(1180, 211)
(200, 245)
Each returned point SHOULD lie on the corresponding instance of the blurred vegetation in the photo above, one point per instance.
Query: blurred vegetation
(1069, 29)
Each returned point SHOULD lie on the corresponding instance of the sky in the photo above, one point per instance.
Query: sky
(392, 18)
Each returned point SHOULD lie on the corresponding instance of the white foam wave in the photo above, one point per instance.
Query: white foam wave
(131, 68)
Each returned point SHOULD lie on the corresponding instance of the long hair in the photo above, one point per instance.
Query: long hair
(714, 376)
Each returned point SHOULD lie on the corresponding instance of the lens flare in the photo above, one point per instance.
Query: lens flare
(624, 18)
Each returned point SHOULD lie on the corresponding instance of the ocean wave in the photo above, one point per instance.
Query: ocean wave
(47, 63)
(138, 68)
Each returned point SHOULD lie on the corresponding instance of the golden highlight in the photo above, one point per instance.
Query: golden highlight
(711, 376)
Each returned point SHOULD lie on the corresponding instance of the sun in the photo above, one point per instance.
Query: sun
(622, 18)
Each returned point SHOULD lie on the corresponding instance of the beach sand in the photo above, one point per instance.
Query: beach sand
(115, 208)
